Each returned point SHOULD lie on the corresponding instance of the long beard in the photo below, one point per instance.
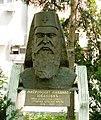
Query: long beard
(46, 63)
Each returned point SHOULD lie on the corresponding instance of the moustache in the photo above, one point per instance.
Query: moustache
(47, 47)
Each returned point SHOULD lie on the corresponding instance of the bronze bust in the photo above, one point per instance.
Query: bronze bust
(46, 62)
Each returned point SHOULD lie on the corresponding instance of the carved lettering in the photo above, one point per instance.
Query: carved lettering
(47, 98)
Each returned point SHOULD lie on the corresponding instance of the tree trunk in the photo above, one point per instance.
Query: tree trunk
(71, 55)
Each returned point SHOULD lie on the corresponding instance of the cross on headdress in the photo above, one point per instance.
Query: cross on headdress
(45, 18)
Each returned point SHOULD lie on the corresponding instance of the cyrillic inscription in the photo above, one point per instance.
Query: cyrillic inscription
(47, 98)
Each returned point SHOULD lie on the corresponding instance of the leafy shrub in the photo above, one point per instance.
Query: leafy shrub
(4, 101)
(45, 116)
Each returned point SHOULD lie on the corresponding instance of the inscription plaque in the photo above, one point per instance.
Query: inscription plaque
(47, 97)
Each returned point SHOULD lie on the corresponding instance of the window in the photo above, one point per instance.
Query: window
(22, 50)
(14, 50)
(17, 50)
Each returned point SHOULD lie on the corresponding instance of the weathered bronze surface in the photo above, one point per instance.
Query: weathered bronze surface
(47, 98)
(46, 61)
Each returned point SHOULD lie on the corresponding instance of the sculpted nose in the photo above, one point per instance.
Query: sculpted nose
(45, 39)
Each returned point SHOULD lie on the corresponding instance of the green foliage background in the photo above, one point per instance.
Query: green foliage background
(4, 101)
(89, 20)
(45, 116)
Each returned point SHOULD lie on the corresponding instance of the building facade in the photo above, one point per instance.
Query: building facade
(13, 33)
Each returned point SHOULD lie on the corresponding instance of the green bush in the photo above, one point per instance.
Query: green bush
(4, 101)
(45, 116)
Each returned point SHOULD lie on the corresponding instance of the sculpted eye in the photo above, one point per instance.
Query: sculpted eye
(39, 35)
(51, 35)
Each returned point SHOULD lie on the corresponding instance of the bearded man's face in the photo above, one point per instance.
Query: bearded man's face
(46, 52)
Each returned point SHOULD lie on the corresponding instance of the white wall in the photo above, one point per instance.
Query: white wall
(12, 31)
